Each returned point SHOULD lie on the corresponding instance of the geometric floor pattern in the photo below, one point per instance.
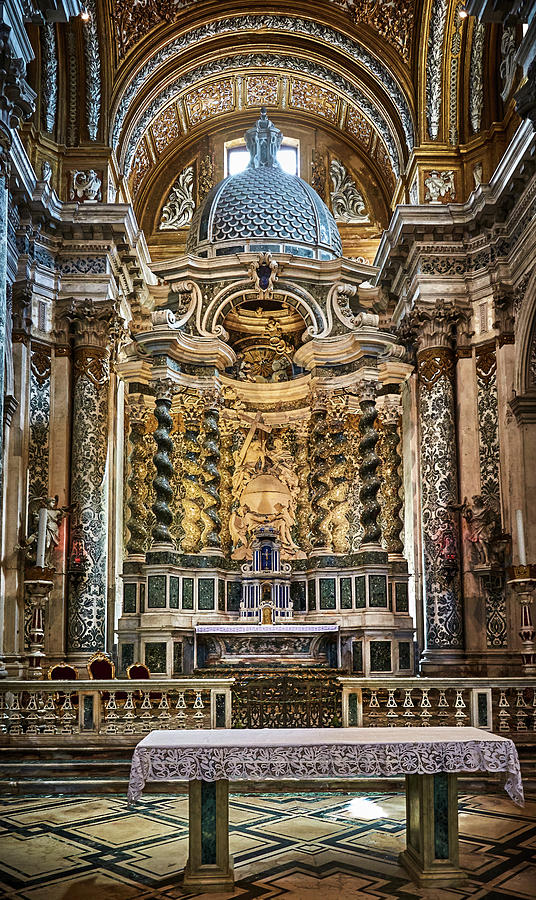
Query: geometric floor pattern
(310, 847)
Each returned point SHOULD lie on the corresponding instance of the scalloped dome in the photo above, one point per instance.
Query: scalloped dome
(264, 208)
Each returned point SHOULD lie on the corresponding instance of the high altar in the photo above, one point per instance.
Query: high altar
(265, 530)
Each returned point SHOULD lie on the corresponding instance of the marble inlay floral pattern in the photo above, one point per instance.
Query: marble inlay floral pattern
(39, 421)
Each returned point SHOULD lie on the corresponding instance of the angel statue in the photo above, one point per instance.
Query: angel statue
(44, 519)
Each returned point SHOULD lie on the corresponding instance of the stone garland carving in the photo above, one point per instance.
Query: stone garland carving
(211, 455)
(192, 501)
(444, 619)
(263, 61)
(206, 177)
(438, 185)
(162, 461)
(391, 479)
(93, 70)
(49, 75)
(72, 67)
(87, 597)
(346, 201)
(370, 461)
(508, 59)
(476, 82)
(434, 62)
(288, 24)
(319, 451)
(39, 421)
(137, 474)
(179, 208)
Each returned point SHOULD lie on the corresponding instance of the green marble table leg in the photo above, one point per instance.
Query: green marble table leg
(431, 854)
(209, 866)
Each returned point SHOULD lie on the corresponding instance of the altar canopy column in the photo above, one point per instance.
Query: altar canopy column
(370, 461)
(392, 480)
(435, 328)
(164, 389)
(94, 325)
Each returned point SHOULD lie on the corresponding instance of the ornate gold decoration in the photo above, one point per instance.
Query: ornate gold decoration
(262, 90)
(486, 362)
(140, 166)
(318, 174)
(303, 505)
(337, 497)
(137, 475)
(310, 96)
(435, 363)
(207, 101)
(192, 500)
(390, 475)
(165, 128)
(206, 178)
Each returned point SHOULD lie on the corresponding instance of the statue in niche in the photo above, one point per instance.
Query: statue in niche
(45, 518)
(483, 530)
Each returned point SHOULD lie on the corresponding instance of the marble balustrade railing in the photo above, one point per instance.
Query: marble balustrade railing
(125, 708)
(502, 705)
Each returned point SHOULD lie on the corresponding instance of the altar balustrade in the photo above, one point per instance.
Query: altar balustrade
(34, 712)
(506, 705)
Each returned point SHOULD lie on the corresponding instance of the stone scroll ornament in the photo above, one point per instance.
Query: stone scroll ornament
(346, 201)
(370, 462)
(164, 391)
(179, 209)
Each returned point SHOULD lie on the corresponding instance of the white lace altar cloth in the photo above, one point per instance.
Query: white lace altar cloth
(259, 754)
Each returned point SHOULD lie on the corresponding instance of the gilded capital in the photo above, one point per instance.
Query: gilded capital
(165, 389)
(389, 408)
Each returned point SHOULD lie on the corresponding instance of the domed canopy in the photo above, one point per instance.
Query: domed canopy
(264, 208)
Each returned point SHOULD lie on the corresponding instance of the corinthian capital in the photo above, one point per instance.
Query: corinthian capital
(17, 99)
(436, 325)
(92, 324)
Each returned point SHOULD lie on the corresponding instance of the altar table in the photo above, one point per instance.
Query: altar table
(429, 758)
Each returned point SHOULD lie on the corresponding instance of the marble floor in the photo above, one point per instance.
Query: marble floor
(312, 847)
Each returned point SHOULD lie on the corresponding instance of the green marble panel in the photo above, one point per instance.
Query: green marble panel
(173, 592)
(311, 594)
(221, 595)
(177, 658)
(208, 823)
(142, 598)
(352, 710)
(129, 598)
(380, 656)
(155, 657)
(360, 595)
(298, 596)
(127, 657)
(346, 593)
(404, 655)
(187, 593)
(482, 710)
(88, 714)
(205, 593)
(220, 710)
(357, 656)
(327, 593)
(378, 591)
(441, 816)
(156, 597)
(401, 597)
(234, 595)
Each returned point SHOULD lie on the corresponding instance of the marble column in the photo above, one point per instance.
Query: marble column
(164, 390)
(391, 476)
(370, 483)
(435, 327)
(137, 479)
(92, 324)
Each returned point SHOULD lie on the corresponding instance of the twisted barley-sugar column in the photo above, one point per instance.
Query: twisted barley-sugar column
(391, 478)
(137, 501)
(320, 538)
(338, 493)
(370, 483)
(303, 504)
(192, 501)
(164, 469)
(211, 538)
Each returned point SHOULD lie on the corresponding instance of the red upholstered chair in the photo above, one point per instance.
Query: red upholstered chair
(62, 672)
(138, 670)
(100, 666)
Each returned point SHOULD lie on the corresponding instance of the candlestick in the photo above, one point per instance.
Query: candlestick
(41, 537)
(521, 538)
